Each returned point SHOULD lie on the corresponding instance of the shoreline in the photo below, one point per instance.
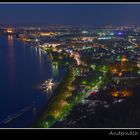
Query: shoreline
(55, 92)
(43, 110)
(41, 119)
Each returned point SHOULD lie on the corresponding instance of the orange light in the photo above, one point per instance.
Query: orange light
(126, 93)
(120, 74)
(114, 70)
(9, 30)
(124, 59)
(115, 94)
(123, 93)
(47, 33)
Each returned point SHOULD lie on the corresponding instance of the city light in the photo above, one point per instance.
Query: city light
(122, 93)
(48, 85)
(91, 68)
(119, 33)
(120, 74)
(9, 30)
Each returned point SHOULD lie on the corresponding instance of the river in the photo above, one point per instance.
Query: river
(22, 69)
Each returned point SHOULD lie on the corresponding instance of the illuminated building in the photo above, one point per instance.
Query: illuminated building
(9, 30)
(122, 93)
(53, 45)
(47, 34)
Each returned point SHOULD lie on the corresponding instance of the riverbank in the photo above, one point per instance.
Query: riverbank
(61, 102)
(40, 119)
(23, 68)
(64, 97)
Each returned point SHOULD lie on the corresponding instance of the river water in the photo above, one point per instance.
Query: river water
(22, 69)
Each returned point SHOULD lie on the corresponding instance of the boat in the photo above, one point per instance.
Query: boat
(50, 84)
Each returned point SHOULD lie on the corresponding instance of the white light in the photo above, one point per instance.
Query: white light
(49, 85)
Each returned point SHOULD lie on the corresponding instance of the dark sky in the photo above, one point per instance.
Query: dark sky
(70, 14)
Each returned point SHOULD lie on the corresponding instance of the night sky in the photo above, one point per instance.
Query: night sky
(70, 14)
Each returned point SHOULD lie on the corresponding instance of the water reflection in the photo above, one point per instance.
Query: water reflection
(41, 68)
(10, 40)
(36, 52)
(31, 52)
(11, 61)
(40, 55)
(55, 70)
(21, 71)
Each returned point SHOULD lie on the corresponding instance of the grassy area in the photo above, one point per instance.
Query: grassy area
(59, 106)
